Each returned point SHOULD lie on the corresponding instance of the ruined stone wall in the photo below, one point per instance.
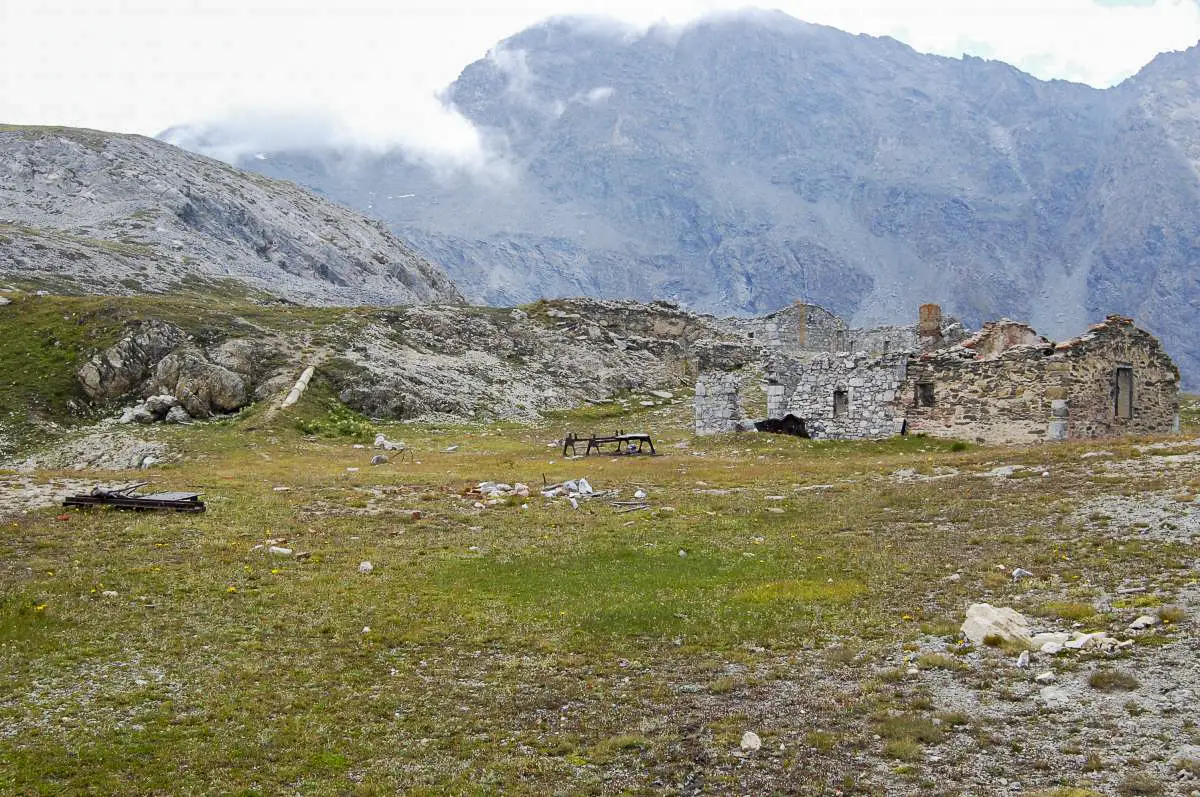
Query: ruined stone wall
(1001, 400)
(870, 386)
(1092, 361)
(798, 328)
(717, 403)
(1018, 395)
(883, 340)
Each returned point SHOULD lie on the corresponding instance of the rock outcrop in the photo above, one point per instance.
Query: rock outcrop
(123, 367)
(411, 362)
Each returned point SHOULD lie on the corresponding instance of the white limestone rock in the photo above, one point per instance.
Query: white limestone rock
(984, 620)
(751, 741)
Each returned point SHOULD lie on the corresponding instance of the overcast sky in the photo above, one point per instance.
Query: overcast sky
(373, 66)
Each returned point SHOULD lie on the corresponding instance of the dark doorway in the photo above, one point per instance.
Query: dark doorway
(924, 396)
(1124, 392)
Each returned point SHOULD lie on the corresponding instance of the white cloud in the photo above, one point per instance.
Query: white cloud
(369, 70)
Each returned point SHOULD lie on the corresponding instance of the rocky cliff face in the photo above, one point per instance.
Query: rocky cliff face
(747, 161)
(103, 213)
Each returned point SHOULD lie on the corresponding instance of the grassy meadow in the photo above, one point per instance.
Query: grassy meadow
(773, 585)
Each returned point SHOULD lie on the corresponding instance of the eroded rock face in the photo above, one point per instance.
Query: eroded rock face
(121, 369)
(202, 387)
(155, 360)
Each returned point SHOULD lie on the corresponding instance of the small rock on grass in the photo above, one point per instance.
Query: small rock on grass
(1046, 678)
(1145, 621)
(279, 551)
(379, 459)
(750, 741)
(1023, 659)
(365, 567)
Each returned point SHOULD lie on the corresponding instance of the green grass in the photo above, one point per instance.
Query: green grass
(510, 650)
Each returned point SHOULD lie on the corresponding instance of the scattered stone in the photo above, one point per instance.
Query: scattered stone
(1045, 678)
(177, 415)
(381, 441)
(984, 620)
(110, 593)
(750, 741)
(5, 300)
(682, 554)
(278, 551)
(662, 394)
(365, 567)
(351, 470)
(1143, 622)
(1021, 573)
(449, 449)
(1023, 659)
(1049, 642)
(640, 494)
(379, 459)
(1055, 697)
(954, 577)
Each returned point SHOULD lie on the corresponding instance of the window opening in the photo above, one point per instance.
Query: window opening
(924, 394)
(841, 403)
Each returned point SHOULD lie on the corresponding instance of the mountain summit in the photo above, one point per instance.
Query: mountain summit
(749, 160)
(82, 210)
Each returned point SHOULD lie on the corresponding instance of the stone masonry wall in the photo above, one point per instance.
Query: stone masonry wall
(717, 403)
(870, 385)
(797, 328)
(1029, 393)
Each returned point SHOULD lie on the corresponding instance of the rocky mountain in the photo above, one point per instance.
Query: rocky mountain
(82, 210)
(749, 160)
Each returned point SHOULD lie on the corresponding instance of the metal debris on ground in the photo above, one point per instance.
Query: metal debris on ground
(127, 498)
(625, 443)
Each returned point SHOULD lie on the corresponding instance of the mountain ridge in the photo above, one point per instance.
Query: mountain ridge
(743, 162)
(90, 211)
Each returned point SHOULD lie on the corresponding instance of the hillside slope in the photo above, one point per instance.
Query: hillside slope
(85, 211)
(749, 160)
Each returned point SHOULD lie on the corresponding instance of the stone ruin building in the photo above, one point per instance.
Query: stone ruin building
(1004, 384)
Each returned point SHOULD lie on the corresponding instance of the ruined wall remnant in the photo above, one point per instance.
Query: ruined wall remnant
(844, 396)
(717, 403)
(929, 327)
(1033, 391)
(797, 328)
(997, 337)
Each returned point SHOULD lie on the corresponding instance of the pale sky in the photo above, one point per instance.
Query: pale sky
(370, 68)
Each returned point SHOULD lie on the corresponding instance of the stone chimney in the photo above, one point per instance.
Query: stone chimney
(929, 327)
